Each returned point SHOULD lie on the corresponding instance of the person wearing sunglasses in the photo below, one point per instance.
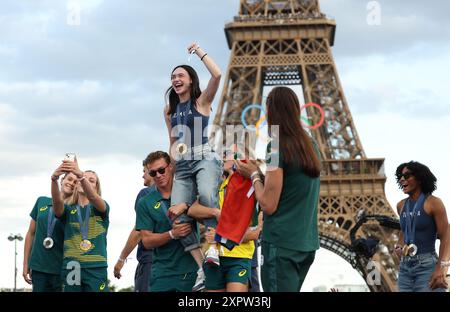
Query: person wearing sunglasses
(43, 251)
(198, 167)
(86, 220)
(423, 219)
(144, 256)
(173, 269)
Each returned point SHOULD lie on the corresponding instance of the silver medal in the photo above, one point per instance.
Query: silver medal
(412, 250)
(48, 243)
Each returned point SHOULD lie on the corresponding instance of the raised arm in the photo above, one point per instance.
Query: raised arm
(86, 181)
(92, 195)
(208, 94)
(58, 202)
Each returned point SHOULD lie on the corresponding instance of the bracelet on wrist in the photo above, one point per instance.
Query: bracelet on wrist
(445, 264)
(122, 260)
(201, 59)
(256, 180)
(254, 173)
(55, 178)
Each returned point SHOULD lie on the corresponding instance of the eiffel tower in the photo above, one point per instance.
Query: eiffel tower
(288, 42)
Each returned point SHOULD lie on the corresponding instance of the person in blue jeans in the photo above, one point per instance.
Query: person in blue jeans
(198, 167)
(423, 219)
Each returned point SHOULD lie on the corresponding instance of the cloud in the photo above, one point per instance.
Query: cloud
(113, 41)
(88, 117)
(409, 82)
(97, 90)
(403, 25)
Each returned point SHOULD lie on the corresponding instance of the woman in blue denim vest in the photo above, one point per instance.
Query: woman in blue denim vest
(423, 219)
(198, 167)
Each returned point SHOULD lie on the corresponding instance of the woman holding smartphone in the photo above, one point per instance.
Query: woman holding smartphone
(43, 252)
(86, 219)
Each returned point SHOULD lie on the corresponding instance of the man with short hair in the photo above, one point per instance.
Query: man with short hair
(173, 269)
(144, 256)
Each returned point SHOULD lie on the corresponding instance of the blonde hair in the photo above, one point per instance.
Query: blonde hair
(73, 200)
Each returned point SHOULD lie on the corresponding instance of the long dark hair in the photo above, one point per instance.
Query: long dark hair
(296, 146)
(172, 96)
(422, 173)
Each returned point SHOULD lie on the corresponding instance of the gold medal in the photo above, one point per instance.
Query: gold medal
(182, 148)
(85, 245)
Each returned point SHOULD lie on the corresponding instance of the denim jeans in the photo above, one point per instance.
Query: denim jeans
(415, 273)
(197, 177)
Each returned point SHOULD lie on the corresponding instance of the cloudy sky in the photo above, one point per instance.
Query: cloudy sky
(97, 88)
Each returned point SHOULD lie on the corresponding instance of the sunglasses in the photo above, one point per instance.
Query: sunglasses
(161, 170)
(405, 175)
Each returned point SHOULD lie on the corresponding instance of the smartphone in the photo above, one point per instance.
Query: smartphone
(70, 157)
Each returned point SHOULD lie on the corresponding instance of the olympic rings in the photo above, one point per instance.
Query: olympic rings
(265, 139)
(322, 116)
(246, 126)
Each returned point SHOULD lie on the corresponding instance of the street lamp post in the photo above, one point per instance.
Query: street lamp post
(15, 238)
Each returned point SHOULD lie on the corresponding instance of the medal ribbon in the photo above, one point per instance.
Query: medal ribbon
(182, 122)
(410, 230)
(84, 225)
(51, 221)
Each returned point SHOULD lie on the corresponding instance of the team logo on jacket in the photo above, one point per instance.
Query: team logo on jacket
(43, 208)
(242, 273)
(158, 204)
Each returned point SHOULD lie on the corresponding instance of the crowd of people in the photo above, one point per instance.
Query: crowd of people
(201, 216)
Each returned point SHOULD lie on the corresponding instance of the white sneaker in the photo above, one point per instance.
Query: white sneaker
(200, 281)
(212, 256)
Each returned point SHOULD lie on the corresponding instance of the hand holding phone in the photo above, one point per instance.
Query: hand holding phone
(70, 157)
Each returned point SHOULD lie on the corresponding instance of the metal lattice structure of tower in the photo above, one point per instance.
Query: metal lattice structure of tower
(288, 42)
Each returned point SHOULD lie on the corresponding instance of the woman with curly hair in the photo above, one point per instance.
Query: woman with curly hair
(423, 219)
